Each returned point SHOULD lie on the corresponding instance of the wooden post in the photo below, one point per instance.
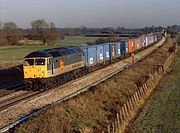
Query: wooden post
(137, 97)
(126, 111)
(120, 116)
(139, 93)
(135, 102)
(144, 90)
(128, 105)
(109, 131)
(116, 126)
(123, 113)
(113, 128)
(131, 103)
(118, 120)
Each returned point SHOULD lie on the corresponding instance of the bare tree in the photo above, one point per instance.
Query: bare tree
(44, 31)
(3, 40)
(83, 30)
(53, 32)
(12, 32)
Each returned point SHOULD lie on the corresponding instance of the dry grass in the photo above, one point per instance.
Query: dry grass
(161, 112)
(94, 110)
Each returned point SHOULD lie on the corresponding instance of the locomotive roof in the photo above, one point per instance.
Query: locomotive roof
(39, 53)
(55, 52)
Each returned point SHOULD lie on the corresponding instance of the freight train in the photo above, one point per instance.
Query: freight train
(44, 69)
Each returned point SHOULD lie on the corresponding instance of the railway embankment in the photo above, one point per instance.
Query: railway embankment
(161, 112)
(105, 107)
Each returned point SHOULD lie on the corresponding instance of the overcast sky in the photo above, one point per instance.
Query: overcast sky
(92, 13)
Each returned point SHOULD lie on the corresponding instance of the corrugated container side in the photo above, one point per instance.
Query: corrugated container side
(159, 37)
(147, 41)
(90, 56)
(117, 50)
(144, 41)
(112, 50)
(152, 39)
(106, 52)
(123, 47)
(138, 43)
(155, 37)
(99, 50)
(127, 47)
(130, 42)
(132, 46)
(85, 50)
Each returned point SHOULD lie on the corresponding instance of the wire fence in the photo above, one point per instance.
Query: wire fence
(135, 103)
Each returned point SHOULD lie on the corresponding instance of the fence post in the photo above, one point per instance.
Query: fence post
(134, 102)
(116, 126)
(126, 111)
(109, 131)
(128, 108)
(123, 114)
(131, 103)
(113, 127)
(139, 93)
(137, 97)
(118, 119)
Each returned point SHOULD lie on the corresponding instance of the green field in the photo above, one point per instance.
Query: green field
(8, 54)
(161, 114)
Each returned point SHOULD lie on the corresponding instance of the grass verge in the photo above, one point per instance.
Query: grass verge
(161, 114)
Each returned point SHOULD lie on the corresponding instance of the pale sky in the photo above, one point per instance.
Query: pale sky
(92, 13)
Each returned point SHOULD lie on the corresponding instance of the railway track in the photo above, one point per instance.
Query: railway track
(10, 104)
(13, 101)
(11, 88)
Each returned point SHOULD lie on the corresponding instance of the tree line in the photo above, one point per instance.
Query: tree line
(11, 34)
(47, 33)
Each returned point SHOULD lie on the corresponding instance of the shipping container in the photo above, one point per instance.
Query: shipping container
(147, 41)
(117, 49)
(127, 47)
(155, 37)
(123, 47)
(106, 51)
(90, 55)
(112, 50)
(159, 37)
(132, 46)
(151, 39)
(138, 43)
(143, 41)
(99, 50)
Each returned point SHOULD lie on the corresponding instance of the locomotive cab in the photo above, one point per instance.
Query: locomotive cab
(35, 67)
(37, 64)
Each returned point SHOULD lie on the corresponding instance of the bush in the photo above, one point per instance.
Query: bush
(101, 41)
